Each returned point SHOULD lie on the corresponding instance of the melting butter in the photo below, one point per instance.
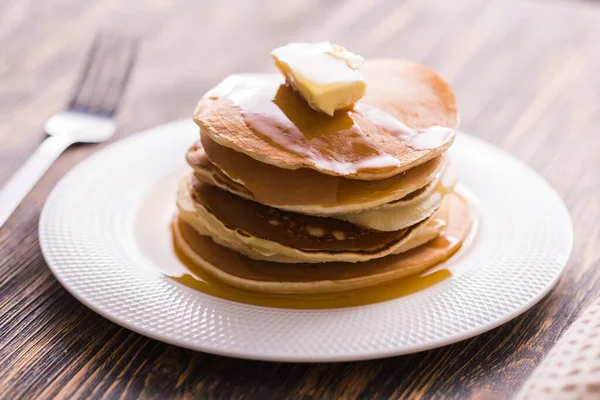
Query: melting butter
(326, 75)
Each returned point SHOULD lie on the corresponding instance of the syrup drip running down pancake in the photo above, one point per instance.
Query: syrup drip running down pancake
(269, 277)
(259, 115)
(304, 190)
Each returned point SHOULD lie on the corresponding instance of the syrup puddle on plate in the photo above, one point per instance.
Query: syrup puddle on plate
(153, 235)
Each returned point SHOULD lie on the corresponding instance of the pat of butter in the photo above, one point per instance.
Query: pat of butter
(326, 75)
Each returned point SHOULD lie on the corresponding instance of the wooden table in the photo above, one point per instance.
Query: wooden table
(527, 78)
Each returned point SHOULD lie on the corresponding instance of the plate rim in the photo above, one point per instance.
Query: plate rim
(249, 354)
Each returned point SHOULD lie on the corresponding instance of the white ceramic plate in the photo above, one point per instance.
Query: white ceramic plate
(104, 232)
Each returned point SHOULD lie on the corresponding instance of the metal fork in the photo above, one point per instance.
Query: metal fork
(87, 119)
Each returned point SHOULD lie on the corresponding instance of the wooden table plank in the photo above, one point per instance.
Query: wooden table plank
(527, 77)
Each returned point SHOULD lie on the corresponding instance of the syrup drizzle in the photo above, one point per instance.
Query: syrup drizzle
(418, 139)
(191, 275)
(281, 117)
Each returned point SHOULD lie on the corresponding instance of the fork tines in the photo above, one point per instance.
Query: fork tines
(105, 74)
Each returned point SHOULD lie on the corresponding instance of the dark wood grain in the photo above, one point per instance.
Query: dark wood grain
(527, 77)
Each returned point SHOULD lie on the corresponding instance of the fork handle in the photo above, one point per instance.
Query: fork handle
(25, 178)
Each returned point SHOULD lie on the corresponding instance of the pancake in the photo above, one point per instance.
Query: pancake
(259, 115)
(412, 93)
(205, 171)
(410, 209)
(263, 232)
(302, 190)
(276, 278)
(393, 216)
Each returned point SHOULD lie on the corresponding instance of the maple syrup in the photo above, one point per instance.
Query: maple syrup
(193, 276)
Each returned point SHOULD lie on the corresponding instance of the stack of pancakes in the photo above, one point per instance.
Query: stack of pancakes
(284, 199)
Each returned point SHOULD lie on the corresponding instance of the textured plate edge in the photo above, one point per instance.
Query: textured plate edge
(244, 354)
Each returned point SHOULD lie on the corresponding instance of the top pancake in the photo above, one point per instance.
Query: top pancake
(259, 115)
